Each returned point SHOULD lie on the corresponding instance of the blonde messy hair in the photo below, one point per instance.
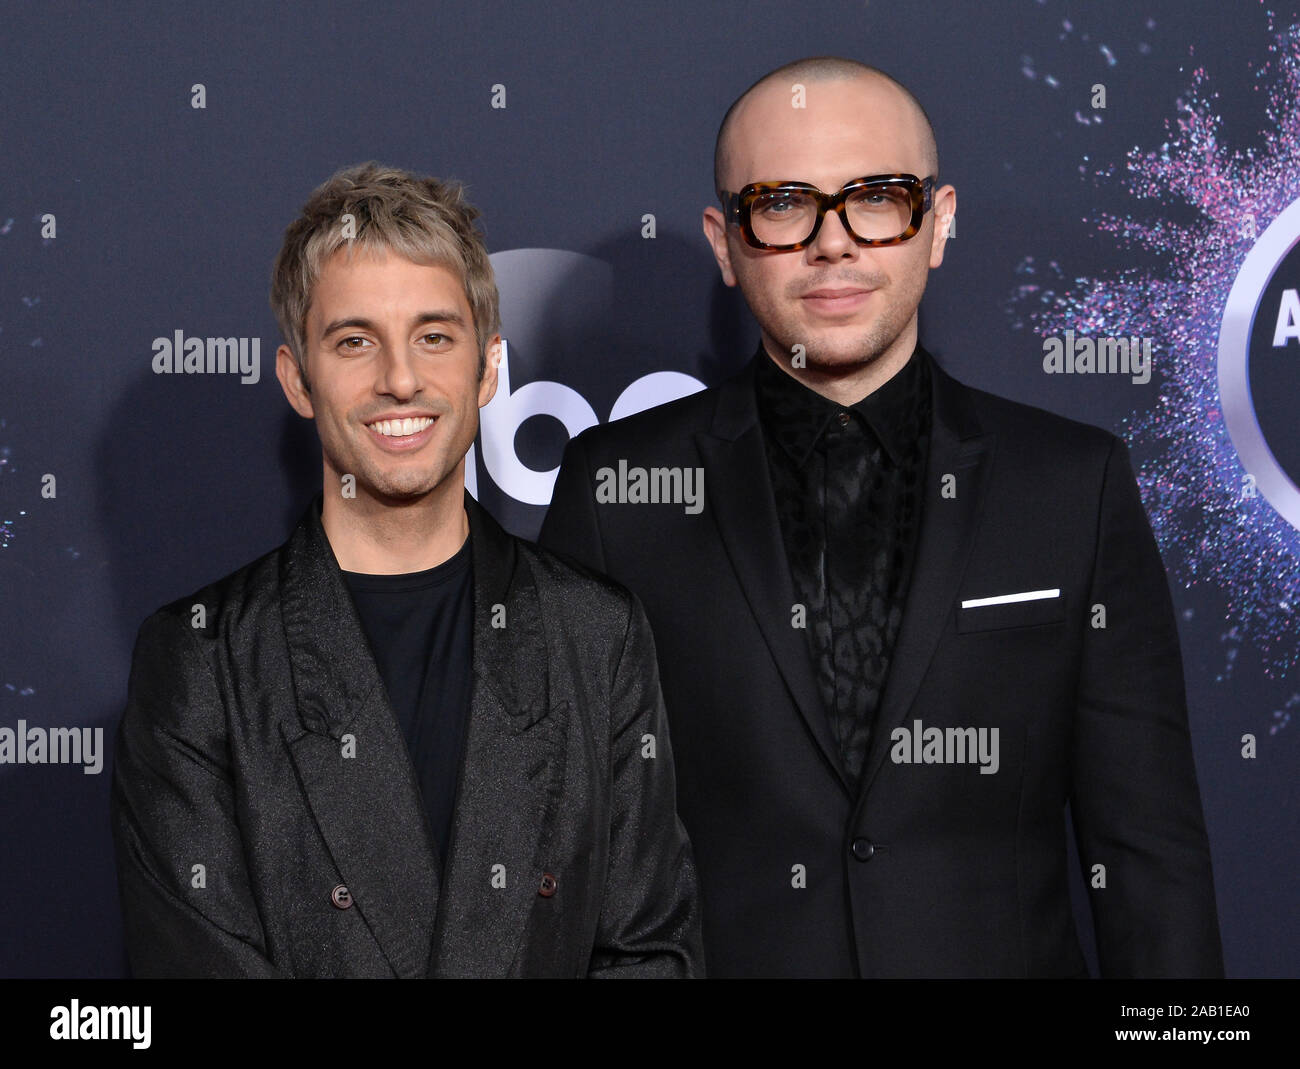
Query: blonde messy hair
(421, 218)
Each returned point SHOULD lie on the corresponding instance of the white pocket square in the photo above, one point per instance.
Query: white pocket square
(1007, 599)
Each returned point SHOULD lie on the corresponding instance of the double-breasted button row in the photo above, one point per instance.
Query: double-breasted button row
(342, 897)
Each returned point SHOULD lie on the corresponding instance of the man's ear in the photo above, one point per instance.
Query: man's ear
(291, 381)
(715, 230)
(487, 386)
(945, 213)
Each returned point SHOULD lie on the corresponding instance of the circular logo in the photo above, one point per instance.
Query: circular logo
(1259, 364)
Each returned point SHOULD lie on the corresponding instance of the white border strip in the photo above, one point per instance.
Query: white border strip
(1007, 599)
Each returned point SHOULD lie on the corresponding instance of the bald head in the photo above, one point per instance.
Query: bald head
(813, 71)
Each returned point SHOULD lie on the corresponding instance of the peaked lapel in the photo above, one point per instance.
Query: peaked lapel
(742, 503)
(512, 771)
(367, 806)
(958, 447)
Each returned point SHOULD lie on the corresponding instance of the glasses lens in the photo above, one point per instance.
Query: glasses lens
(782, 216)
(879, 213)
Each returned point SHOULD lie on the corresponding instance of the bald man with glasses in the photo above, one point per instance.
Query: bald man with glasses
(912, 621)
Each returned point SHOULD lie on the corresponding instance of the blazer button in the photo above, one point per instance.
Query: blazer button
(341, 897)
(548, 885)
(863, 849)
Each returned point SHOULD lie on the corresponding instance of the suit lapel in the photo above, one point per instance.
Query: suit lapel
(740, 497)
(958, 448)
(512, 771)
(367, 806)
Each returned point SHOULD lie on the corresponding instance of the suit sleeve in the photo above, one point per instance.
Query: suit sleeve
(1135, 802)
(571, 527)
(650, 919)
(173, 808)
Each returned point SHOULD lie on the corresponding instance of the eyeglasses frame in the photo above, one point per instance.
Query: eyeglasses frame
(736, 207)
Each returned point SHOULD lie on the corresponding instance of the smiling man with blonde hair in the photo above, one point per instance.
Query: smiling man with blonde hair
(405, 743)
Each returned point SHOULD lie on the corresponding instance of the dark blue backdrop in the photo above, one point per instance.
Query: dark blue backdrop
(167, 217)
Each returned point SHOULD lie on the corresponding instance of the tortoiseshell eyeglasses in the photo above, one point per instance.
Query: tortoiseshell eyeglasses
(881, 209)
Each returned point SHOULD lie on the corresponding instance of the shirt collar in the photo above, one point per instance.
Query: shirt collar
(797, 416)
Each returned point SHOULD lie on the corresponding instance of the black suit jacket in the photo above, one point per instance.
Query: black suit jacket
(566, 858)
(929, 869)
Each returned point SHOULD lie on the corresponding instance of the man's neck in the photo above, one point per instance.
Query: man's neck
(377, 537)
(849, 385)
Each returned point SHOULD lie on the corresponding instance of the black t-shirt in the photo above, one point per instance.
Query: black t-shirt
(421, 631)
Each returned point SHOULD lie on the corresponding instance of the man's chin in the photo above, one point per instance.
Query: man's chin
(404, 491)
(842, 356)
(397, 490)
(832, 350)
(842, 360)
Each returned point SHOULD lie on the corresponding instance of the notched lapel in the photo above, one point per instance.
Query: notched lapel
(367, 806)
(741, 501)
(512, 772)
(957, 447)
(510, 785)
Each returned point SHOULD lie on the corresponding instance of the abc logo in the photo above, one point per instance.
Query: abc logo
(553, 305)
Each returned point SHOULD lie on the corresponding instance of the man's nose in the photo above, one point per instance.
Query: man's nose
(833, 241)
(397, 372)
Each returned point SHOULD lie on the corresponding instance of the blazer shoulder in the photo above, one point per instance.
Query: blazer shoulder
(222, 605)
(578, 595)
(1055, 436)
(671, 422)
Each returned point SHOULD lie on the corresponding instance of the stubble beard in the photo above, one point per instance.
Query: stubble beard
(861, 348)
(855, 352)
(404, 484)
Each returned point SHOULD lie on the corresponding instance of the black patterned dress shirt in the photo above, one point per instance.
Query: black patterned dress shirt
(847, 483)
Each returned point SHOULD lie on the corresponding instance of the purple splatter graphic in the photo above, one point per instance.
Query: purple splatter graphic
(1209, 532)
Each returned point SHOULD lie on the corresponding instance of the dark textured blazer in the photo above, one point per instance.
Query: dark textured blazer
(566, 858)
(928, 869)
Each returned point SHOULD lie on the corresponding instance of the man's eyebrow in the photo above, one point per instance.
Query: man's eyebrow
(438, 315)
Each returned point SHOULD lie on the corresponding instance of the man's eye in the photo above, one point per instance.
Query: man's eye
(346, 343)
(437, 338)
(774, 205)
(880, 198)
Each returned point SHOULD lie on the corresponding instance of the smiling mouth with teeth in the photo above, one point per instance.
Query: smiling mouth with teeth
(401, 428)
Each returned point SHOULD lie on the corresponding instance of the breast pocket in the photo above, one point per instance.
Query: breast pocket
(996, 612)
